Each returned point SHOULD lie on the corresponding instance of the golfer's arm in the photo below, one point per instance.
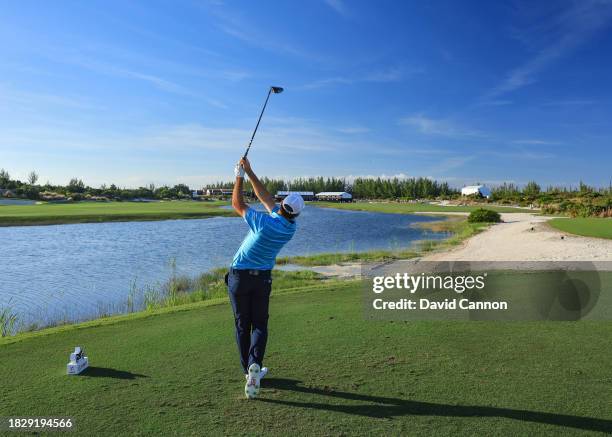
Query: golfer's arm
(261, 192)
(238, 202)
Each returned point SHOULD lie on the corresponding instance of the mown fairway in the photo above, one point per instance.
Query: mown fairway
(332, 373)
(90, 212)
(408, 208)
(588, 227)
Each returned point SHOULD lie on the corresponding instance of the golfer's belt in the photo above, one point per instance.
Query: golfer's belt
(254, 272)
(258, 272)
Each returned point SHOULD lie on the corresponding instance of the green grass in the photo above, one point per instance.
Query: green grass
(326, 259)
(90, 212)
(588, 227)
(175, 372)
(409, 208)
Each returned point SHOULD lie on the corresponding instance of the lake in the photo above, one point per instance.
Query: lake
(78, 271)
(17, 202)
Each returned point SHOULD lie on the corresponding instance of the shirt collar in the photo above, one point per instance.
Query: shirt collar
(283, 219)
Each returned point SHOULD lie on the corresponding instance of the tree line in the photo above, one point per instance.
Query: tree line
(76, 189)
(360, 188)
(581, 200)
(315, 185)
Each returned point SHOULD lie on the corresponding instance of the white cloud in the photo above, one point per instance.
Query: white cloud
(29, 99)
(216, 103)
(339, 6)
(450, 164)
(158, 82)
(554, 38)
(394, 74)
(442, 127)
(524, 154)
(353, 129)
(328, 81)
(499, 102)
(113, 69)
(280, 135)
(389, 75)
(535, 142)
(163, 154)
(241, 28)
(574, 102)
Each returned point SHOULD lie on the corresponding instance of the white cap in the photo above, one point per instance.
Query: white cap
(293, 203)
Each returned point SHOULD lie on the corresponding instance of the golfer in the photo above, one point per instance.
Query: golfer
(249, 281)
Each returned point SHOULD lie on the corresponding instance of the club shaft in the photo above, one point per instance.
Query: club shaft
(257, 125)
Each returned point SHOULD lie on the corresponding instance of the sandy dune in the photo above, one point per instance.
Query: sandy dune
(527, 237)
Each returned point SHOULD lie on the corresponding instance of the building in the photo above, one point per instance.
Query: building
(335, 196)
(476, 190)
(222, 192)
(219, 191)
(197, 194)
(306, 195)
(6, 193)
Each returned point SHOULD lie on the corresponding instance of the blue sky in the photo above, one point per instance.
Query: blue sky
(169, 91)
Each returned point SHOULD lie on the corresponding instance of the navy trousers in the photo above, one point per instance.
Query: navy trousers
(249, 293)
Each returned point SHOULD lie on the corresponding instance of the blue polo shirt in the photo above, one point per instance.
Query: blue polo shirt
(268, 234)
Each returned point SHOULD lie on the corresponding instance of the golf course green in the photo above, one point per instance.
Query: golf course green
(588, 227)
(176, 372)
(92, 212)
(409, 208)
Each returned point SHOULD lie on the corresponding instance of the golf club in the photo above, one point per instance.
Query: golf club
(275, 90)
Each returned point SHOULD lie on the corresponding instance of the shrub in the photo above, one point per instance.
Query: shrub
(482, 215)
(551, 209)
(8, 321)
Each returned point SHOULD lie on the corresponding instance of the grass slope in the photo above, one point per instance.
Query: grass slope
(176, 373)
(409, 208)
(89, 212)
(588, 227)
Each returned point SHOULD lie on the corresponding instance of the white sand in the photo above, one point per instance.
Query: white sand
(527, 237)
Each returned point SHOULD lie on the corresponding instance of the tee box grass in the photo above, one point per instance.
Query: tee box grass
(332, 373)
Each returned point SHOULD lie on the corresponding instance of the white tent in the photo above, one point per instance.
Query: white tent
(301, 193)
(478, 190)
(341, 196)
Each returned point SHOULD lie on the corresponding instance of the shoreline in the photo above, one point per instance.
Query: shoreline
(75, 220)
(145, 314)
(520, 238)
(207, 286)
(117, 212)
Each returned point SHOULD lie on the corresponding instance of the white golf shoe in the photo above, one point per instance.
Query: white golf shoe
(263, 372)
(251, 389)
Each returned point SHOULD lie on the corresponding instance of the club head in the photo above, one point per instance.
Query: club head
(276, 89)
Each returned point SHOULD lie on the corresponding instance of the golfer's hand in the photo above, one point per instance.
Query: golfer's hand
(239, 171)
(244, 162)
